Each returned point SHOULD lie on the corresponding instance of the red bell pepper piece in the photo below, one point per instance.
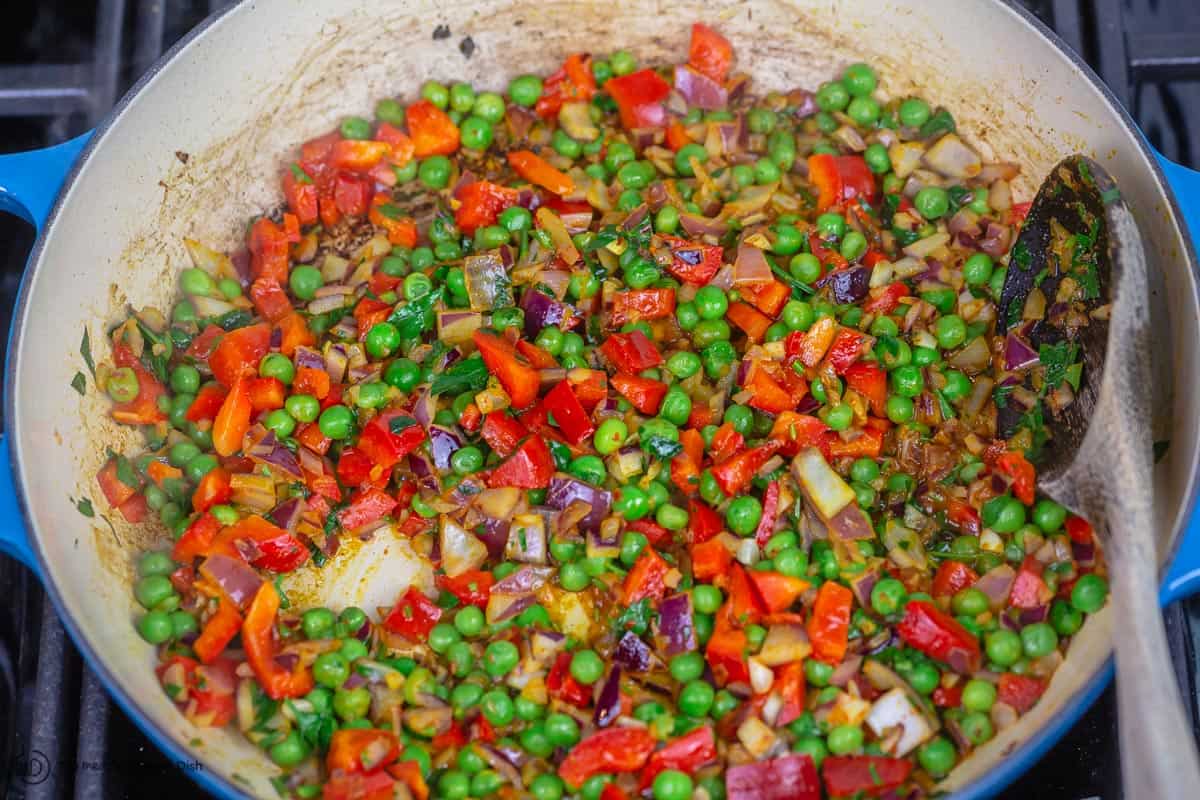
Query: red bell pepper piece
(218, 632)
(502, 432)
(569, 414)
(948, 696)
(268, 245)
(115, 491)
(845, 349)
(413, 616)
(639, 97)
(354, 467)
(1021, 474)
(770, 513)
(472, 588)
(266, 394)
(366, 506)
(726, 651)
(653, 532)
(518, 379)
(1018, 212)
(368, 313)
(645, 394)
(573, 83)
(631, 352)
(749, 319)
(536, 356)
(258, 639)
(301, 195)
(791, 777)
(868, 444)
(1020, 691)
(432, 131)
(693, 262)
(135, 509)
(196, 540)
(310, 380)
(383, 213)
(590, 386)
(357, 155)
(703, 522)
(677, 136)
(383, 446)
(685, 467)
(1079, 529)
(142, 409)
(206, 692)
(686, 753)
(349, 746)
(401, 146)
(482, 202)
(269, 299)
(940, 636)
(799, 431)
(840, 178)
(951, 577)
(765, 392)
(214, 488)
(735, 473)
(869, 380)
(233, 420)
(790, 684)
(829, 625)
(885, 299)
(239, 352)
(778, 592)
(710, 558)
(538, 171)
(531, 466)
(1028, 589)
(870, 775)
(562, 686)
(294, 333)
(810, 346)
(725, 443)
(279, 550)
(409, 773)
(612, 750)
(963, 516)
(159, 472)
(635, 305)
(769, 298)
(207, 403)
(352, 193)
(745, 606)
(710, 53)
(646, 577)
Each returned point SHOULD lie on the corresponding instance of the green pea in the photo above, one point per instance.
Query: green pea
(356, 128)
(743, 175)
(937, 756)
(864, 111)
(683, 364)
(805, 267)
(336, 422)
(434, 172)
(525, 90)
(1089, 593)
(1049, 515)
(888, 596)
(907, 381)
(155, 627)
(766, 172)
(305, 280)
(838, 417)
(454, 785)
(636, 174)
(957, 385)
(489, 106)
(876, 156)
(932, 202)
(500, 658)
(761, 120)
(672, 784)
(671, 517)
(914, 112)
(951, 331)
(331, 669)
(832, 96)
(676, 406)
(197, 282)
(1003, 514)
(631, 503)
(684, 156)
(788, 240)
(844, 739)
(711, 302)
(610, 435)
(859, 79)
(977, 727)
(1038, 639)
(853, 246)
(184, 379)
(476, 133)
(587, 667)
(687, 667)
(743, 515)
(1065, 619)
(969, 602)
(622, 62)
(1003, 647)
(977, 269)
(717, 359)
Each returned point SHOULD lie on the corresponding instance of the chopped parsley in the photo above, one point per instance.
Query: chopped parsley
(468, 375)
(79, 383)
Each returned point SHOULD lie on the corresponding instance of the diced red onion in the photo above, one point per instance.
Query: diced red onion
(997, 240)
(697, 225)
(1084, 553)
(1029, 616)
(287, 514)
(632, 653)
(443, 443)
(847, 285)
(564, 491)
(676, 632)
(241, 265)
(269, 451)
(423, 469)
(424, 408)
(502, 765)
(354, 681)
(495, 536)
(526, 580)
(996, 583)
(863, 583)
(804, 102)
(845, 671)
(540, 310)
(751, 266)
(308, 357)
(700, 90)
(236, 578)
(1018, 354)
(464, 180)
(608, 705)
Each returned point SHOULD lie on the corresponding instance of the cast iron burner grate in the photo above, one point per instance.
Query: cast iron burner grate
(62, 66)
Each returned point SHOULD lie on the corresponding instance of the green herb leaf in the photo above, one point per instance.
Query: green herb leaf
(238, 318)
(126, 474)
(635, 617)
(84, 506)
(390, 210)
(944, 405)
(415, 316)
(468, 375)
(85, 350)
(157, 354)
(284, 603)
(398, 424)
(1056, 359)
(79, 383)
(181, 339)
(661, 447)
(1021, 256)
(905, 238)
(1000, 395)
(606, 236)
(1110, 196)
(796, 285)
(940, 123)
(299, 174)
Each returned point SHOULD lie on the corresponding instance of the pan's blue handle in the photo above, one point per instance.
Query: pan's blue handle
(1183, 577)
(29, 182)
(14, 541)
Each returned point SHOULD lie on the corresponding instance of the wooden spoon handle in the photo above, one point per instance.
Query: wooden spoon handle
(1158, 750)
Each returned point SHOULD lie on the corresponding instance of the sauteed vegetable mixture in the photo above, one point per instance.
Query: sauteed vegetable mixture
(687, 396)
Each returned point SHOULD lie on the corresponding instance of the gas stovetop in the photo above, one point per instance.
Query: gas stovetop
(62, 66)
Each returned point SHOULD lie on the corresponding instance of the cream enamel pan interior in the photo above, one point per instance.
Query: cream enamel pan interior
(198, 147)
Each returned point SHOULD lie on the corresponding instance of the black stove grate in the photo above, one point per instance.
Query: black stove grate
(63, 65)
